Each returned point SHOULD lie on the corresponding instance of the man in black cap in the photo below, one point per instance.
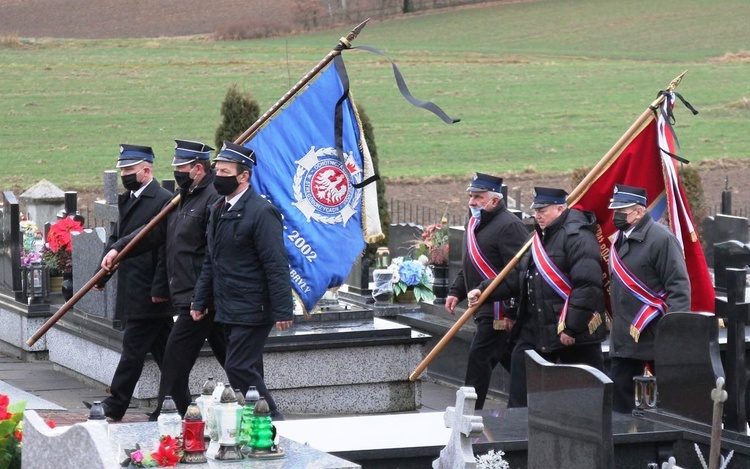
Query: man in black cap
(142, 287)
(649, 279)
(246, 270)
(560, 285)
(493, 236)
(183, 233)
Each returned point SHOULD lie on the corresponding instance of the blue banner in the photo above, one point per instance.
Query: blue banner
(302, 173)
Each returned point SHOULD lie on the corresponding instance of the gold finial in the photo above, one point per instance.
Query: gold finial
(676, 81)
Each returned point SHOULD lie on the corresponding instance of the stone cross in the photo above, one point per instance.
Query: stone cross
(107, 210)
(736, 313)
(458, 452)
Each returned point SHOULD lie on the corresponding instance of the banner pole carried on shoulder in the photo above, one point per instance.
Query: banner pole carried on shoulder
(573, 197)
(344, 43)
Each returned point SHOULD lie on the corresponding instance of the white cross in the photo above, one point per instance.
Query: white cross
(458, 452)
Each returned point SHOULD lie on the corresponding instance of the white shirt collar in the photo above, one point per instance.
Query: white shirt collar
(141, 189)
(234, 199)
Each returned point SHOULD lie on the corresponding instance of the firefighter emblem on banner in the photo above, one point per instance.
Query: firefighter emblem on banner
(324, 186)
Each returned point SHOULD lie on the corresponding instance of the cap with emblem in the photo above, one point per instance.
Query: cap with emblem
(187, 151)
(484, 182)
(236, 154)
(627, 196)
(133, 154)
(544, 196)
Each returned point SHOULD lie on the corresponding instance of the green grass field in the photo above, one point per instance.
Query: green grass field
(545, 86)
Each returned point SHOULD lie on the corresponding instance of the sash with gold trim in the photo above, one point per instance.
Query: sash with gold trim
(485, 269)
(558, 282)
(654, 303)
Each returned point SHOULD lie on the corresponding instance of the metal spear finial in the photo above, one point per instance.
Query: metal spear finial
(676, 81)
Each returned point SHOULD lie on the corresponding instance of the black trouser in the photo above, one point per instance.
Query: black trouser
(183, 347)
(488, 348)
(244, 351)
(622, 370)
(141, 336)
(590, 354)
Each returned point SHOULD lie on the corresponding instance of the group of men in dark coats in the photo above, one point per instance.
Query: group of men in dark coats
(558, 287)
(233, 255)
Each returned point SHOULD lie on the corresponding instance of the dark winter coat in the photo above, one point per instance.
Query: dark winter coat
(653, 255)
(184, 234)
(246, 269)
(141, 277)
(500, 235)
(570, 242)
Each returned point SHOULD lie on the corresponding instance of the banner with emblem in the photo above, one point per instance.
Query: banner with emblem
(648, 161)
(312, 164)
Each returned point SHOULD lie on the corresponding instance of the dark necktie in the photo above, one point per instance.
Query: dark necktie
(225, 208)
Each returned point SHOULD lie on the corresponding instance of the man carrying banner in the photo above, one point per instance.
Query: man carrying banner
(183, 233)
(560, 286)
(493, 236)
(649, 279)
(142, 285)
(245, 272)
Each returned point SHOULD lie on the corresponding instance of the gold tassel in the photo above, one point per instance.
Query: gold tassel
(560, 327)
(595, 322)
(634, 333)
(498, 325)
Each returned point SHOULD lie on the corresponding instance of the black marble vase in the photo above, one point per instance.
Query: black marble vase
(440, 283)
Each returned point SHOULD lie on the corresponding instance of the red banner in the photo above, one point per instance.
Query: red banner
(642, 163)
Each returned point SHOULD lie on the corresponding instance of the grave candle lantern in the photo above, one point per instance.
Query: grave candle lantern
(227, 414)
(192, 436)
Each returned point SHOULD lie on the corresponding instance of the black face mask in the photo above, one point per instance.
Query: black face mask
(226, 185)
(621, 221)
(130, 182)
(183, 179)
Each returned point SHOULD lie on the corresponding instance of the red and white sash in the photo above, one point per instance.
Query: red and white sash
(558, 282)
(654, 303)
(482, 264)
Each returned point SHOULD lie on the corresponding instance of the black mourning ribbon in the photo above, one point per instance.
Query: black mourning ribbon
(426, 105)
(670, 120)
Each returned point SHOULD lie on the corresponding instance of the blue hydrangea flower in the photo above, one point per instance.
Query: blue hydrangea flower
(410, 272)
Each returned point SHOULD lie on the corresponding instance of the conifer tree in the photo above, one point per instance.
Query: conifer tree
(239, 111)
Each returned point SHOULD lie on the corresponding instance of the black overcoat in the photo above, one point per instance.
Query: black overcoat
(653, 255)
(141, 277)
(246, 269)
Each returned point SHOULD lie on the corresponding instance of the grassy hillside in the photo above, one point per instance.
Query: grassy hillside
(546, 85)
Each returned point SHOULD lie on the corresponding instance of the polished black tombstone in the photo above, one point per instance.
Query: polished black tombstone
(10, 246)
(687, 364)
(720, 228)
(736, 313)
(728, 254)
(570, 415)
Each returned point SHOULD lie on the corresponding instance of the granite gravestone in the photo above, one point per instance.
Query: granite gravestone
(43, 201)
(570, 415)
(82, 445)
(687, 363)
(10, 246)
(401, 238)
(729, 254)
(722, 228)
(458, 454)
(87, 253)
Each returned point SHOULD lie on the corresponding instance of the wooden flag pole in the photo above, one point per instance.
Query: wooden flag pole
(344, 43)
(102, 273)
(574, 196)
